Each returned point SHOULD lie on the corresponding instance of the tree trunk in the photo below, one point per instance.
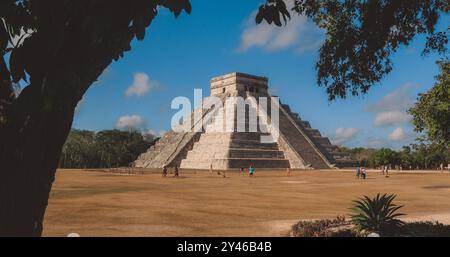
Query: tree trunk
(66, 58)
(31, 145)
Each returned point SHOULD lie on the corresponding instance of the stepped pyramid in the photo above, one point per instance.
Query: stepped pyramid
(222, 146)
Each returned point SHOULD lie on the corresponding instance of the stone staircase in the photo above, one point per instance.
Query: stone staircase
(300, 141)
(331, 152)
(234, 150)
(246, 149)
(169, 150)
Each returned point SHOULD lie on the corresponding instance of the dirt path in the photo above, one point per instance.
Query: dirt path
(100, 204)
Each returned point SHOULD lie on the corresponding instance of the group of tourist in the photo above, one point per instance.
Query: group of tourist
(361, 173)
(165, 171)
(251, 171)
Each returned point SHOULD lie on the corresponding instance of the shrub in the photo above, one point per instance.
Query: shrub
(378, 215)
(338, 227)
(426, 229)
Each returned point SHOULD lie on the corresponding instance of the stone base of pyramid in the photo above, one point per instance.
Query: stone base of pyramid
(233, 150)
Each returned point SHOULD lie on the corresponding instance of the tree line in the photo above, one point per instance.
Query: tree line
(104, 149)
(417, 156)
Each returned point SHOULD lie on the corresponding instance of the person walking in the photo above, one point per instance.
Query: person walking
(164, 171)
(242, 171)
(358, 172)
(175, 171)
(251, 171)
(363, 172)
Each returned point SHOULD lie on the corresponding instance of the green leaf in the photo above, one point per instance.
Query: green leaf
(376, 214)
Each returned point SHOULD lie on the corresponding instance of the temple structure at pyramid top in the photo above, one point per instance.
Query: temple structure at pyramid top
(297, 144)
(237, 83)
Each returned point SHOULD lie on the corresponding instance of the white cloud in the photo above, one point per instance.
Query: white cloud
(130, 122)
(310, 42)
(399, 99)
(298, 33)
(344, 135)
(391, 118)
(392, 108)
(160, 133)
(141, 85)
(397, 135)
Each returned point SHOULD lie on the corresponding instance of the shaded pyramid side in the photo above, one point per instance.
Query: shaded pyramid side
(320, 154)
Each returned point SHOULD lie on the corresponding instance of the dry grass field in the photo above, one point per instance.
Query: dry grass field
(200, 204)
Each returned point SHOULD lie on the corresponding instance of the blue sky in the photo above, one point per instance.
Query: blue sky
(219, 37)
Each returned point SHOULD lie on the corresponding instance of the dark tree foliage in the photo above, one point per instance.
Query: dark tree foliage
(62, 48)
(417, 156)
(384, 156)
(362, 36)
(79, 150)
(431, 112)
(105, 149)
(360, 154)
(429, 155)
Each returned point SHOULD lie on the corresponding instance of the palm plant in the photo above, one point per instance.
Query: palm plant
(378, 214)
